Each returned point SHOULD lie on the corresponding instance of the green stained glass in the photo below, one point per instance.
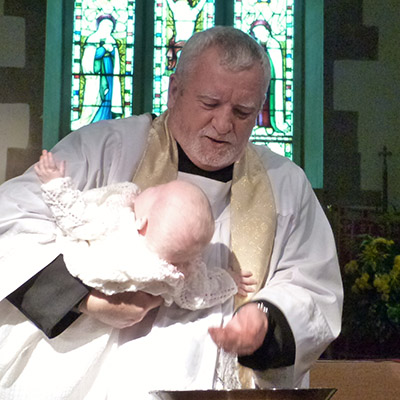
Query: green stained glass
(174, 22)
(271, 24)
(102, 60)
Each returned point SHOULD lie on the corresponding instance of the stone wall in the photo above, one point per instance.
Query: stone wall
(22, 47)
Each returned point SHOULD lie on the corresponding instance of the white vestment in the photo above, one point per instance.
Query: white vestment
(171, 348)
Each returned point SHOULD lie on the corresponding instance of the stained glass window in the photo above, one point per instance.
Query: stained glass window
(103, 57)
(174, 22)
(271, 24)
(102, 60)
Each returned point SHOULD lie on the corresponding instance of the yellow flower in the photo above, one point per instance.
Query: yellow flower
(395, 272)
(382, 284)
(381, 240)
(361, 283)
(377, 248)
(351, 267)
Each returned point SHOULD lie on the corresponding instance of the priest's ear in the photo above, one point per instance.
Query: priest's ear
(141, 225)
(173, 90)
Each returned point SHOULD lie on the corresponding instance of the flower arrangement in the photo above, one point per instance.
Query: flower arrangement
(372, 293)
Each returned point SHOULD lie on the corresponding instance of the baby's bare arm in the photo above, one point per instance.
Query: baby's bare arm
(244, 282)
(47, 168)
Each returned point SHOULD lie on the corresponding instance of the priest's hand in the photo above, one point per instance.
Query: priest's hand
(119, 310)
(245, 333)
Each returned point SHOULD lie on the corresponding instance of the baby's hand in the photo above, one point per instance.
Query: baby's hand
(47, 168)
(244, 282)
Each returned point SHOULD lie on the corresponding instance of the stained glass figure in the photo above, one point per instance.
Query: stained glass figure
(270, 23)
(174, 22)
(102, 65)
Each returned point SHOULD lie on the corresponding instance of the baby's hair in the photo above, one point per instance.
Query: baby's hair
(180, 223)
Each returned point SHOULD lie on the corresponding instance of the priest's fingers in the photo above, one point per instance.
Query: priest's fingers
(230, 341)
(119, 310)
(245, 333)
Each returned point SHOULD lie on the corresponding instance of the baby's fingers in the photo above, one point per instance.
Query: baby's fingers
(61, 167)
(247, 278)
(37, 167)
(244, 291)
(51, 164)
(246, 274)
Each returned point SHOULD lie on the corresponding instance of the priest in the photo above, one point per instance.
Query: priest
(268, 221)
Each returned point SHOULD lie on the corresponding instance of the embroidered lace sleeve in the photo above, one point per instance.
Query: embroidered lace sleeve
(82, 214)
(205, 286)
(65, 203)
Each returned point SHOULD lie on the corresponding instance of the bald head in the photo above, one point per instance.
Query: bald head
(179, 220)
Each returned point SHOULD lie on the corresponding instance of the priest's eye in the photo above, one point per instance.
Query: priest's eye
(242, 114)
(209, 106)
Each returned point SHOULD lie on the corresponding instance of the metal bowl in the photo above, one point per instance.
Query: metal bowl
(250, 394)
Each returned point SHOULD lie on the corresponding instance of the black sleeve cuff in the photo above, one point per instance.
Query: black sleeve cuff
(49, 297)
(278, 349)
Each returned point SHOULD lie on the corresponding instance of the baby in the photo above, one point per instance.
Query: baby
(116, 238)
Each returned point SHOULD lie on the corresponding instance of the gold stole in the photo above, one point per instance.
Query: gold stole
(253, 217)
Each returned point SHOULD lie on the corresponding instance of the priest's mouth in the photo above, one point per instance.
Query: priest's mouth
(217, 141)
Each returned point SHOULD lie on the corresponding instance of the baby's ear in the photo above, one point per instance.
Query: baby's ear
(141, 225)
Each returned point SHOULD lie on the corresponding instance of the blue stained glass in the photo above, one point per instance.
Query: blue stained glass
(102, 66)
(103, 57)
